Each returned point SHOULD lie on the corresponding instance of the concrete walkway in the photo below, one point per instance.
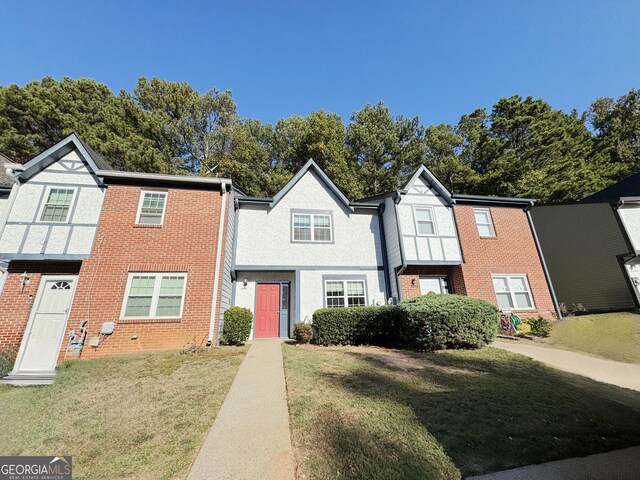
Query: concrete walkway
(625, 375)
(250, 436)
(617, 465)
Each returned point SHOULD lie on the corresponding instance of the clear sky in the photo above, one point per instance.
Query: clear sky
(435, 59)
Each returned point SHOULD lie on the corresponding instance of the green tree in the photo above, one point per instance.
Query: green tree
(386, 148)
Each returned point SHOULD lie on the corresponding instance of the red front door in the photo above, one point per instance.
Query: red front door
(267, 310)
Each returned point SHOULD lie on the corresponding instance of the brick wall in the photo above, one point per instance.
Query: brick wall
(512, 250)
(16, 301)
(186, 242)
(414, 272)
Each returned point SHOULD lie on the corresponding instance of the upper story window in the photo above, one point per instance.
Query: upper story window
(57, 206)
(484, 222)
(425, 222)
(154, 295)
(312, 227)
(151, 207)
(513, 292)
(339, 293)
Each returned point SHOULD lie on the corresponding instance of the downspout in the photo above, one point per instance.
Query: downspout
(219, 264)
(7, 211)
(403, 261)
(542, 260)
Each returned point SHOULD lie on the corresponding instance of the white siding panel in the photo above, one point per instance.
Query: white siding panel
(436, 249)
(57, 240)
(81, 240)
(35, 239)
(409, 248)
(11, 238)
(89, 206)
(630, 216)
(424, 253)
(451, 249)
(27, 203)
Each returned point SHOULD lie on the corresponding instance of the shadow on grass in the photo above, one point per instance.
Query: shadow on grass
(491, 410)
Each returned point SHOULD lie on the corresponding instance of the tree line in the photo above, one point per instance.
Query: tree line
(522, 147)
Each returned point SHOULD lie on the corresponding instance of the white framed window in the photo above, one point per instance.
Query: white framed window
(57, 205)
(434, 285)
(513, 292)
(425, 221)
(484, 222)
(151, 207)
(311, 227)
(344, 293)
(154, 295)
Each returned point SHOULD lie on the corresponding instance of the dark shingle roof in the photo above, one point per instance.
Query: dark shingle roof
(5, 180)
(628, 187)
(99, 160)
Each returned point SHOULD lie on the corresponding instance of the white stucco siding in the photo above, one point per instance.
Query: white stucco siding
(264, 235)
(443, 246)
(4, 199)
(26, 234)
(630, 216)
(312, 288)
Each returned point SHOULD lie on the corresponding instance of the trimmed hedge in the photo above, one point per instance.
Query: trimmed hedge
(302, 332)
(237, 325)
(435, 322)
(357, 326)
(428, 322)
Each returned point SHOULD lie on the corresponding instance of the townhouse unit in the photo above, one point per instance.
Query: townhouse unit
(100, 262)
(6, 184)
(592, 248)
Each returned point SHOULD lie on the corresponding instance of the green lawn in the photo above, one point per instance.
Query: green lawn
(365, 412)
(611, 335)
(141, 416)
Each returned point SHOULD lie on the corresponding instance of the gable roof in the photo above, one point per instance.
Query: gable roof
(431, 179)
(313, 166)
(6, 180)
(63, 147)
(628, 187)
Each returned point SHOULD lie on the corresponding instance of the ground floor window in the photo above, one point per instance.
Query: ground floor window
(513, 292)
(154, 295)
(345, 293)
(434, 285)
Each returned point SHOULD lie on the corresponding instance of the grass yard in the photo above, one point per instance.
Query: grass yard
(140, 416)
(366, 412)
(611, 335)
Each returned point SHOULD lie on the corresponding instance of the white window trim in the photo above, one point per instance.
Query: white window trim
(141, 201)
(155, 295)
(433, 220)
(345, 295)
(511, 292)
(491, 225)
(312, 227)
(443, 280)
(46, 197)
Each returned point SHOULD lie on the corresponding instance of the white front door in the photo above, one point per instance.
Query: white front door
(433, 285)
(43, 336)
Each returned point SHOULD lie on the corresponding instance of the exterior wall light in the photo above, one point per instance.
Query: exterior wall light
(245, 282)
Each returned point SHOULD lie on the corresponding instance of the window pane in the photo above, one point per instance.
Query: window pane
(485, 230)
(500, 284)
(504, 301)
(523, 300)
(153, 204)
(518, 284)
(301, 220)
(172, 285)
(322, 234)
(335, 289)
(426, 228)
(355, 288)
(55, 213)
(423, 215)
(482, 217)
(302, 233)
(356, 302)
(321, 221)
(335, 302)
(142, 286)
(138, 307)
(57, 205)
(169, 306)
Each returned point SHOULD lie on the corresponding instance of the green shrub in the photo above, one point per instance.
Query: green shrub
(434, 322)
(303, 332)
(540, 327)
(237, 325)
(7, 359)
(357, 326)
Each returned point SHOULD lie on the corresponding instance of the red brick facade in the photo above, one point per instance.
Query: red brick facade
(185, 242)
(17, 300)
(512, 250)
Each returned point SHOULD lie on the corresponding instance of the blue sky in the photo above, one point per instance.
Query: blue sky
(435, 59)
